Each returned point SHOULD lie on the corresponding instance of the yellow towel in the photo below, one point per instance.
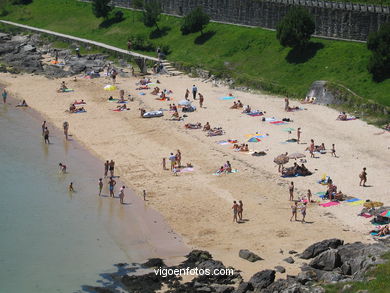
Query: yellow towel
(356, 203)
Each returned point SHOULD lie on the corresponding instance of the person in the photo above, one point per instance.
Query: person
(106, 165)
(175, 170)
(187, 94)
(303, 212)
(46, 136)
(299, 134)
(71, 189)
(22, 104)
(164, 164)
(235, 211)
(66, 127)
(112, 167)
(129, 44)
(122, 194)
(240, 209)
(235, 105)
(78, 52)
(206, 127)
(286, 104)
(309, 195)
(4, 95)
(111, 185)
(311, 149)
(228, 167)
(333, 151)
(247, 109)
(62, 167)
(294, 208)
(56, 56)
(178, 158)
(239, 104)
(384, 231)
(144, 194)
(172, 159)
(291, 190)
(194, 91)
(201, 99)
(132, 71)
(114, 73)
(100, 186)
(363, 177)
(43, 128)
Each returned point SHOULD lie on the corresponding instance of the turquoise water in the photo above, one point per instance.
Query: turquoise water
(53, 240)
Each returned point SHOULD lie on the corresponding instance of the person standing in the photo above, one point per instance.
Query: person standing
(100, 186)
(294, 208)
(286, 104)
(4, 95)
(43, 128)
(240, 209)
(303, 212)
(309, 195)
(129, 45)
(144, 194)
(363, 177)
(299, 134)
(106, 166)
(172, 158)
(311, 148)
(112, 167)
(78, 53)
(178, 158)
(111, 185)
(201, 99)
(333, 151)
(66, 128)
(187, 94)
(194, 91)
(291, 190)
(71, 189)
(235, 211)
(114, 73)
(122, 194)
(46, 135)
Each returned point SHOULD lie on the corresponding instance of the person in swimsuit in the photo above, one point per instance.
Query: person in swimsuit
(311, 149)
(286, 104)
(43, 128)
(240, 209)
(178, 158)
(111, 185)
(122, 194)
(144, 194)
(299, 135)
(363, 177)
(187, 94)
(235, 211)
(309, 195)
(333, 151)
(291, 190)
(4, 94)
(112, 168)
(201, 99)
(46, 136)
(106, 165)
(66, 127)
(100, 186)
(71, 189)
(303, 212)
(62, 167)
(294, 209)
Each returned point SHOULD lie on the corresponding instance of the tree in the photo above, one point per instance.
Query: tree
(379, 44)
(100, 8)
(151, 14)
(296, 28)
(195, 21)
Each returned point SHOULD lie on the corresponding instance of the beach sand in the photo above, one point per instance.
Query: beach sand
(197, 204)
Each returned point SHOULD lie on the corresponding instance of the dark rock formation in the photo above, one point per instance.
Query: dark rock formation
(154, 263)
(248, 255)
(327, 260)
(262, 279)
(316, 248)
(289, 260)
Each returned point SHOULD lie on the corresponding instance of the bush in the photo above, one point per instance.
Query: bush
(141, 42)
(379, 44)
(21, 2)
(296, 28)
(195, 21)
(151, 14)
(101, 8)
(118, 15)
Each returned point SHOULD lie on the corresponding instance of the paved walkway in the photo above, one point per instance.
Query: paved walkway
(98, 44)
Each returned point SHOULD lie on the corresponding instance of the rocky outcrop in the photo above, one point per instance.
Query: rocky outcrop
(248, 255)
(316, 248)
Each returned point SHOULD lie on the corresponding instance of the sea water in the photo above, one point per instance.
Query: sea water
(53, 240)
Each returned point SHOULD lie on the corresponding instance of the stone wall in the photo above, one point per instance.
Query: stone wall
(333, 19)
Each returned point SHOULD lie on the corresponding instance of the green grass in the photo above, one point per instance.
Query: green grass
(250, 55)
(379, 284)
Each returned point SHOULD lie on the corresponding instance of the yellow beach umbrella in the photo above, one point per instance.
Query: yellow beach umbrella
(110, 87)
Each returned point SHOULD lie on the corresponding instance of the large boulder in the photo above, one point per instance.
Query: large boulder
(248, 255)
(327, 261)
(316, 248)
(244, 287)
(154, 263)
(262, 279)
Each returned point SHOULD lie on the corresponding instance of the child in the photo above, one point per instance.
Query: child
(62, 167)
(100, 186)
(71, 187)
(175, 170)
(144, 193)
(164, 164)
(333, 151)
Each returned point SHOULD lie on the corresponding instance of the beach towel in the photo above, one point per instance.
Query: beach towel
(141, 93)
(67, 90)
(329, 204)
(223, 142)
(366, 215)
(352, 200)
(270, 119)
(321, 194)
(356, 203)
(186, 170)
(278, 123)
(226, 98)
(254, 113)
(79, 111)
(218, 174)
(256, 135)
(120, 110)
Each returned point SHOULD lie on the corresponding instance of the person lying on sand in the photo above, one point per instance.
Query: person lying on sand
(384, 231)
(122, 107)
(244, 148)
(206, 127)
(247, 109)
(342, 116)
(142, 111)
(320, 148)
(22, 104)
(79, 102)
(197, 125)
(215, 132)
(308, 100)
(339, 196)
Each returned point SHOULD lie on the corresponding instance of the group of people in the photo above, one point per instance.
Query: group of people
(238, 209)
(237, 105)
(295, 170)
(175, 162)
(242, 148)
(226, 168)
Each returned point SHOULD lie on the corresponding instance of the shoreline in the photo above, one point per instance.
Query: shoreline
(141, 167)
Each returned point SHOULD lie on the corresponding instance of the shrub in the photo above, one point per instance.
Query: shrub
(101, 8)
(195, 21)
(21, 2)
(296, 28)
(379, 44)
(141, 42)
(118, 15)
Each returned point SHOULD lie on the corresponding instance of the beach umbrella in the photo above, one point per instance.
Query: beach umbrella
(254, 139)
(184, 103)
(110, 87)
(281, 160)
(386, 214)
(296, 156)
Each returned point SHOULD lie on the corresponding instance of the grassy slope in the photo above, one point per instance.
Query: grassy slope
(241, 52)
(379, 285)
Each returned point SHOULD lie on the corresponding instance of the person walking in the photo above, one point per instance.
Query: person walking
(333, 151)
(66, 128)
(201, 99)
(100, 186)
(299, 135)
(46, 136)
(43, 128)
(291, 190)
(240, 209)
(311, 148)
(4, 95)
(194, 91)
(187, 94)
(294, 208)
(363, 177)
(235, 211)
(122, 194)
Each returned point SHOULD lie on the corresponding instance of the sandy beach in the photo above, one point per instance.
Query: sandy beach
(198, 204)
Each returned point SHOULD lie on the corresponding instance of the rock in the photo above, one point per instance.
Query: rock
(289, 260)
(316, 248)
(292, 252)
(244, 287)
(154, 263)
(307, 276)
(262, 279)
(144, 283)
(28, 48)
(327, 261)
(346, 288)
(248, 255)
(280, 269)
(52, 71)
(331, 277)
(195, 257)
(222, 288)
(78, 67)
